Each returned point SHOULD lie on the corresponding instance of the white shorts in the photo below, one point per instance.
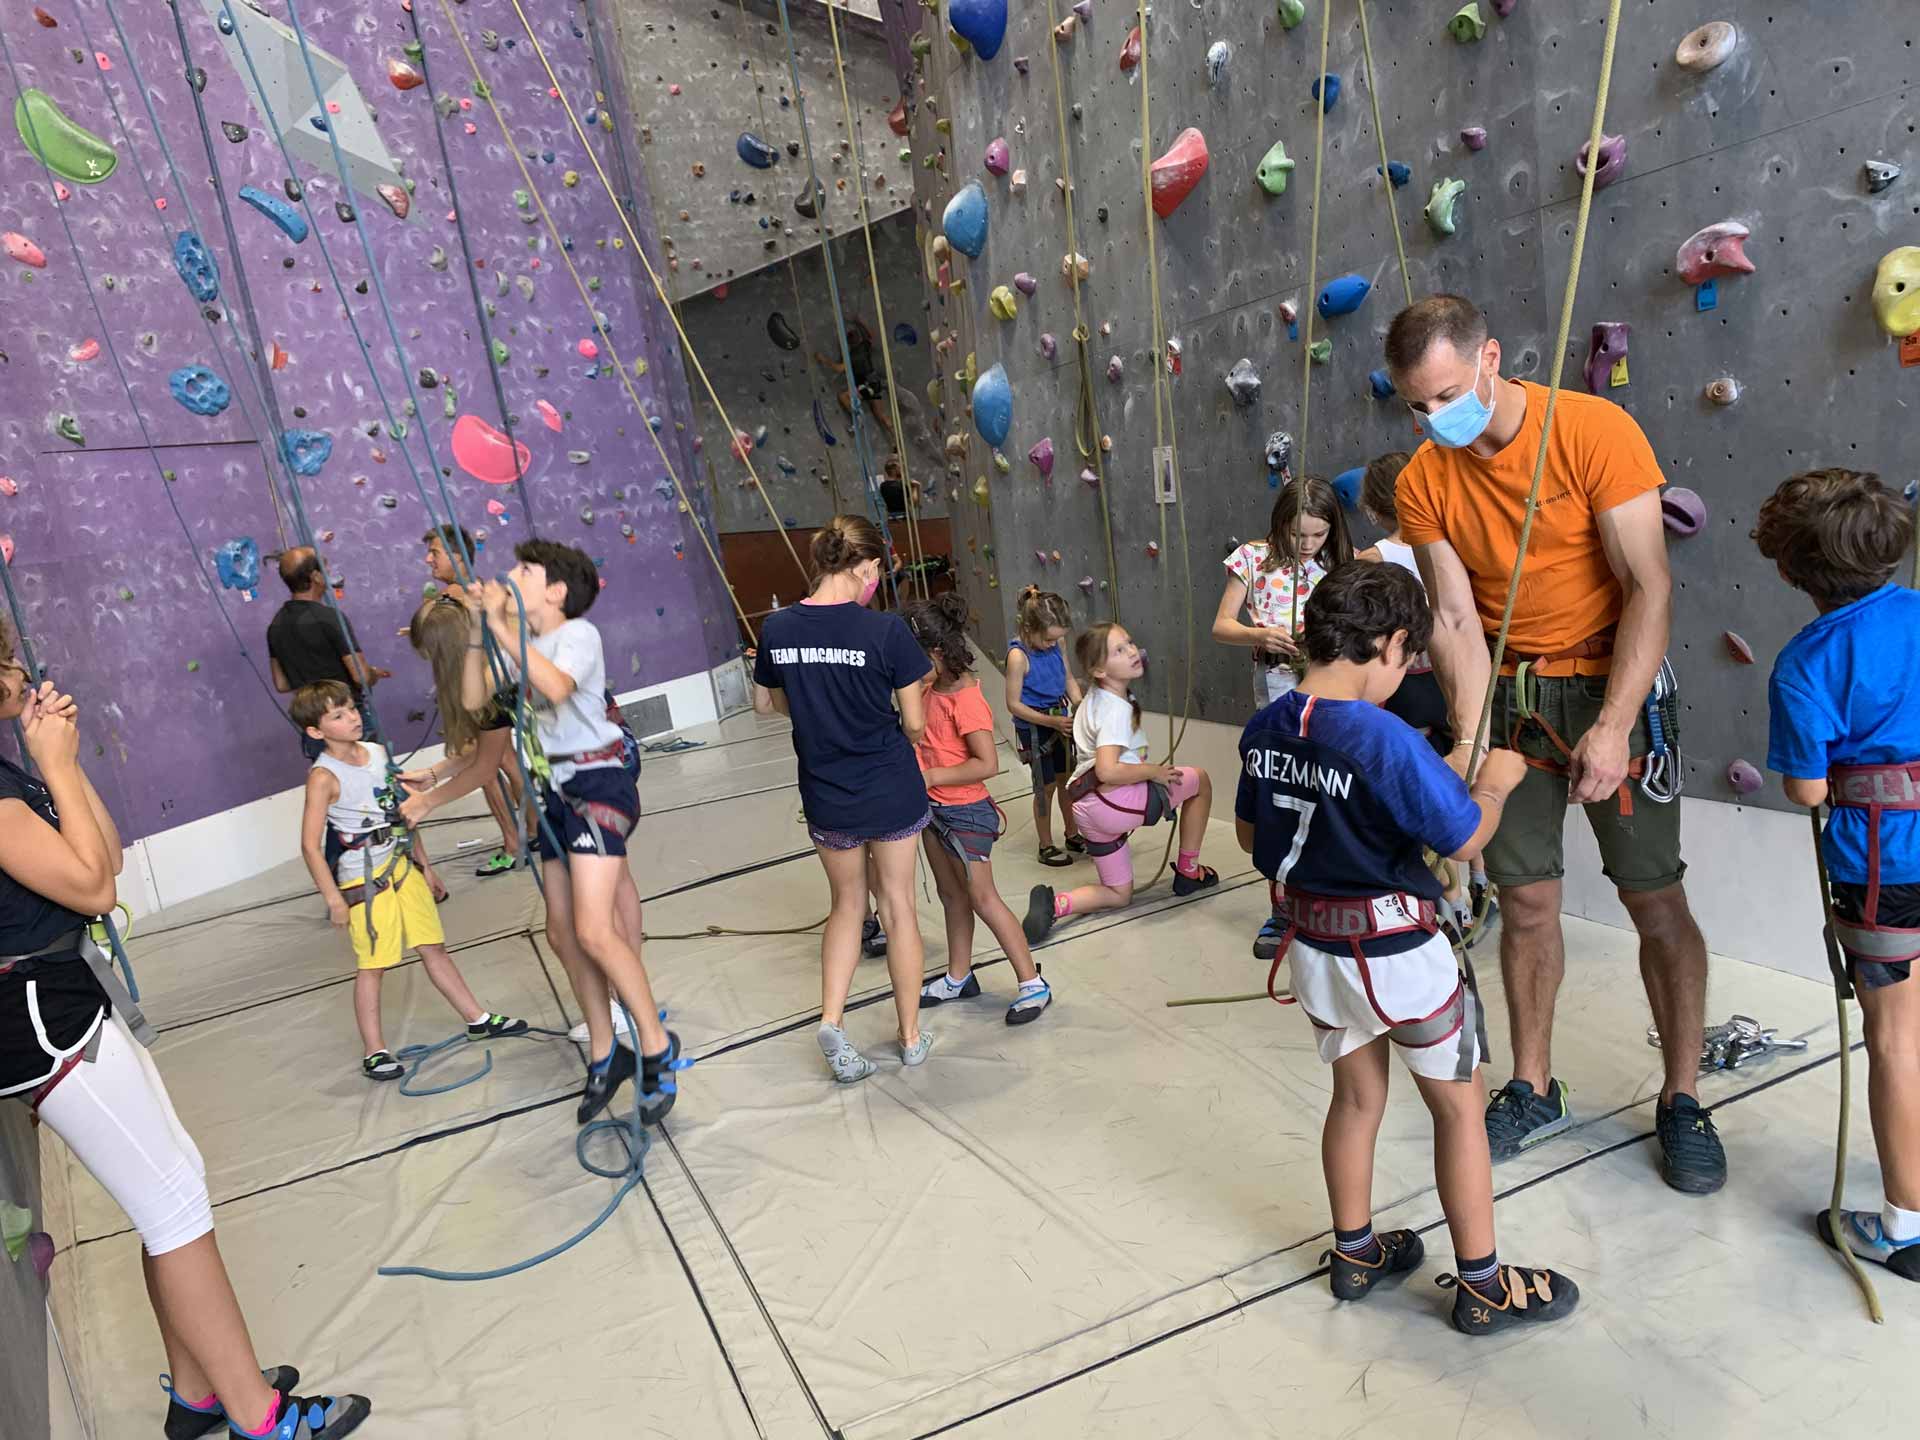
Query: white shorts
(1353, 1002)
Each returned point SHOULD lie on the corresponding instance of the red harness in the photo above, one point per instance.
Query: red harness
(1345, 920)
(1875, 788)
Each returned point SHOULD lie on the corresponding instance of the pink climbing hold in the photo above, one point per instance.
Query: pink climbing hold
(494, 507)
(1178, 171)
(486, 454)
(1743, 779)
(588, 350)
(1738, 649)
(1717, 249)
(742, 445)
(19, 247)
(999, 157)
(100, 59)
(1683, 511)
(1606, 348)
(1049, 346)
(1115, 369)
(1086, 582)
(85, 350)
(1090, 476)
(61, 192)
(1613, 160)
(472, 129)
(9, 486)
(673, 89)
(6, 549)
(1474, 137)
(548, 414)
(1042, 457)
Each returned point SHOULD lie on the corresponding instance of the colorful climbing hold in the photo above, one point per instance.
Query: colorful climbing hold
(237, 563)
(1381, 384)
(1074, 267)
(981, 494)
(487, 454)
(998, 157)
(1175, 173)
(1090, 477)
(1292, 12)
(199, 389)
(19, 247)
(588, 350)
(61, 144)
(1025, 283)
(404, 75)
(1474, 137)
(292, 224)
(1606, 349)
(1116, 369)
(755, 151)
(1706, 48)
(1613, 160)
(1879, 174)
(1243, 383)
(396, 198)
(1716, 249)
(1276, 168)
(305, 451)
(981, 23)
(897, 119)
(1130, 50)
(1467, 24)
(1442, 204)
(1049, 346)
(1002, 303)
(1320, 351)
(905, 334)
(1504, 8)
(9, 486)
(1738, 650)
(1397, 173)
(1017, 182)
(1683, 511)
(1724, 391)
(67, 427)
(1041, 456)
(1896, 291)
(1219, 54)
(1086, 583)
(1328, 93)
(1743, 779)
(965, 220)
(993, 406)
(1342, 296)
(1346, 486)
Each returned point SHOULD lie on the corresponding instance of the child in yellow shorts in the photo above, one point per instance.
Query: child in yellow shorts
(347, 839)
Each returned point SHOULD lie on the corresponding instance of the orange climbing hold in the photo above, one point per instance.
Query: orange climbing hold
(1130, 52)
(278, 357)
(1178, 171)
(403, 75)
(897, 118)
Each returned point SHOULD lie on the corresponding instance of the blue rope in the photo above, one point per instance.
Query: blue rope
(417, 1058)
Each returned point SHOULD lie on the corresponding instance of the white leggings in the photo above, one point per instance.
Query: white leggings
(114, 1115)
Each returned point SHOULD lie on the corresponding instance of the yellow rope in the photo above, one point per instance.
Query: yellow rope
(1380, 133)
(482, 89)
(640, 252)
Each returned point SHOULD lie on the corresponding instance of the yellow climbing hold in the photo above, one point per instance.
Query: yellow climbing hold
(981, 495)
(1002, 303)
(63, 145)
(570, 179)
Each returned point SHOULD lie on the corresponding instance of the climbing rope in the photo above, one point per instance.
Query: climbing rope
(1380, 134)
(640, 252)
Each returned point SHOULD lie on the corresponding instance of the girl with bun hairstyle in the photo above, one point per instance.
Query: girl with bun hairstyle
(1041, 694)
(849, 678)
(957, 757)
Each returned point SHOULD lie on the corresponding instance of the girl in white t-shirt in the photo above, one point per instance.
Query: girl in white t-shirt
(1109, 787)
(1266, 579)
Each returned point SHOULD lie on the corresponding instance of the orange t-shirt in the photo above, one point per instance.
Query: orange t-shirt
(951, 717)
(1598, 458)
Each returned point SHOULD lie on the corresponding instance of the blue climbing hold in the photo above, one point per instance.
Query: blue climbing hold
(199, 389)
(820, 424)
(905, 334)
(1347, 486)
(319, 122)
(292, 224)
(1397, 172)
(1329, 95)
(1382, 386)
(981, 23)
(1342, 296)
(993, 406)
(306, 451)
(655, 423)
(237, 563)
(195, 262)
(965, 221)
(755, 151)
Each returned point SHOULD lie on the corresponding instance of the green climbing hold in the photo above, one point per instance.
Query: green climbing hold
(921, 46)
(68, 428)
(1441, 203)
(500, 353)
(482, 90)
(125, 594)
(1467, 24)
(1276, 168)
(1292, 12)
(447, 401)
(522, 199)
(414, 50)
(593, 283)
(16, 1224)
(192, 666)
(1321, 351)
(62, 145)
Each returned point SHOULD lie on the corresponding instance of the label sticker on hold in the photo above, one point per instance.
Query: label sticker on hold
(1617, 376)
(1910, 351)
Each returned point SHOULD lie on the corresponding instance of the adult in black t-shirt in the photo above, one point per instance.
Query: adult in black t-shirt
(309, 641)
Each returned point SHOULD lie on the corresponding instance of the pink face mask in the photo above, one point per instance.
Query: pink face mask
(868, 590)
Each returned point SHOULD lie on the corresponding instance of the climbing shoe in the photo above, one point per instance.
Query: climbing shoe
(1353, 1279)
(1867, 1240)
(1692, 1159)
(846, 1063)
(1027, 1005)
(1077, 844)
(312, 1417)
(658, 1087)
(186, 1421)
(1039, 918)
(1266, 944)
(603, 1078)
(873, 940)
(1054, 856)
(382, 1066)
(492, 1027)
(916, 1053)
(499, 863)
(1520, 1297)
(942, 988)
(1518, 1119)
(1189, 884)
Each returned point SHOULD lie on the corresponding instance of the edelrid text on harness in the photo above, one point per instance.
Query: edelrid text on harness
(1875, 788)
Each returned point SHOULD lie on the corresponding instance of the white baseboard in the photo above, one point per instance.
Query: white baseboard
(190, 860)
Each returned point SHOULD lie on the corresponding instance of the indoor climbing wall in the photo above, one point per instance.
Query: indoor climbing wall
(716, 125)
(1790, 132)
(164, 386)
(760, 345)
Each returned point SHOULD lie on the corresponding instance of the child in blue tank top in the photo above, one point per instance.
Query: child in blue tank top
(1041, 694)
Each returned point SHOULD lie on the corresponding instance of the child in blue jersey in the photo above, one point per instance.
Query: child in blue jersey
(1844, 702)
(1337, 798)
(1041, 696)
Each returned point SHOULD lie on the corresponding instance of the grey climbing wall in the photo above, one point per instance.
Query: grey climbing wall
(701, 76)
(764, 385)
(1774, 138)
(108, 574)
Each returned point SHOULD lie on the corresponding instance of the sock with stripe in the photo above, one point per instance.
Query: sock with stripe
(1484, 1276)
(1362, 1244)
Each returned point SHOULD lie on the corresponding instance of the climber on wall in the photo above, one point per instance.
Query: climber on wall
(1590, 629)
(868, 378)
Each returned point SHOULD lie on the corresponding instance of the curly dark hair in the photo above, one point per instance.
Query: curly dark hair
(941, 624)
(1356, 610)
(1837, 534)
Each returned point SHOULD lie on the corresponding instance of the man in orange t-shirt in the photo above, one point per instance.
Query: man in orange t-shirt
(1590, 622)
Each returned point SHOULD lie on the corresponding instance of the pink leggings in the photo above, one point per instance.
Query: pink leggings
(1111, 814)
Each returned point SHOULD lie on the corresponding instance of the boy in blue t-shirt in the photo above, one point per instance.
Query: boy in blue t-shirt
(1844, 702)
(1337, 799)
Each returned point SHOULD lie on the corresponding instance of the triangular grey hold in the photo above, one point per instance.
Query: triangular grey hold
(1880, 174)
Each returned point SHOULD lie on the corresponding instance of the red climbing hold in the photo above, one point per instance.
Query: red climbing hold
(548, 414)
(897, 118)
(278, 360)
(19, 247)
(1741, 652)
(403, 75)
(589, 350)
(742, 445)
(1178, 171)
(1130, 52)
(85, 350)
(1717, 249)
(44, 18)
(486, 454)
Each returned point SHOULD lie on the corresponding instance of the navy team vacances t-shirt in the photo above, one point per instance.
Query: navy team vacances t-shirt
(839, 666)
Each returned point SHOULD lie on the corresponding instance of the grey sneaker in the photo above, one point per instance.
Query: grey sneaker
(916, 1053)
(1518, 1119)
(847, 1063)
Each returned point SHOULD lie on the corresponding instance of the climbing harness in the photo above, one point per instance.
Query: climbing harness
(1875, 789)
(1158, 806)
(1657, 772)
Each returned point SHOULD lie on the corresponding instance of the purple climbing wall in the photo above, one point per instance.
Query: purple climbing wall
(110, 576)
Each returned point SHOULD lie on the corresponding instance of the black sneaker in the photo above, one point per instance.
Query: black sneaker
(940, 989)
(494, 1026)
(601, 1084)
(1692, 1159)
(190, 1422)
(1077, 844)
(315, 1417)
(873, 940)
(658, 1087)
(382, 1066)
(1400, 1251)
(1039, 919)
(1524, 1297)
(1518, 1119)
(1189, 884)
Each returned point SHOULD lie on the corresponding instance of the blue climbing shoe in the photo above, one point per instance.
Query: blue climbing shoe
(603, 1078)
(1867, 1240)
(941, 989)
(1519, 1119)
(1266, 944)
(186, 1421)
(657, 1085)
(1692, 1158)
(312, 1417)
(1028, 1004)
(873, 939)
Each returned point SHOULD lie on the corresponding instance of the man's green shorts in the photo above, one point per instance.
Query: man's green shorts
(1640, 851)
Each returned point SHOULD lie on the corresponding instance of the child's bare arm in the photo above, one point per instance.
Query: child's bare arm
(322, 791)
(982, 763)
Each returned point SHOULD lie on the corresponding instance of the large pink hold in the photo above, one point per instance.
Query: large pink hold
(589, 350)
(1718, 249)
(486, 454)
(1178, 171)
(1743, 778)
(19, 247)
(999, 158)
(1042, 457)
(548, 414)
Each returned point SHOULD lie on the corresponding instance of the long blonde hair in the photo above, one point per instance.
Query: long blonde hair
(439, 633)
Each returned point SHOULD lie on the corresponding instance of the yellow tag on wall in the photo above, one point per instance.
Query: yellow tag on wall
(1618, 375)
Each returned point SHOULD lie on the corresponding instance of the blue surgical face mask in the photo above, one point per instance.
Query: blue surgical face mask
(1463, 419)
